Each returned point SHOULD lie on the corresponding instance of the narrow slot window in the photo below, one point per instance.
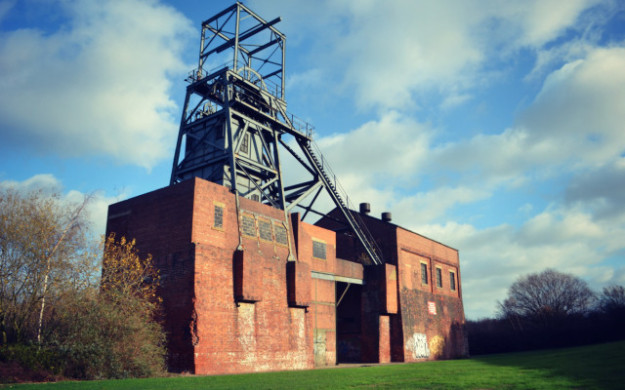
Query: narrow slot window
(424, 273)
(218, 219)
(245, 144)
(439, 278)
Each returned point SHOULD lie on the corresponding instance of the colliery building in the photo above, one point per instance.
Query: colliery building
(234, 302)
(247, 285)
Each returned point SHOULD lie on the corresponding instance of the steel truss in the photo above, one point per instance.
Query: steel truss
(235, 123)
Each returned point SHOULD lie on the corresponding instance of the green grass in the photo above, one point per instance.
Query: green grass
(592, 367)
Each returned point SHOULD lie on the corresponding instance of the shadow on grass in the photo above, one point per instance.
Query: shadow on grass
(599, 366)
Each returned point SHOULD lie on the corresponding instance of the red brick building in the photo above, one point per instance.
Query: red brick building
(246, 289)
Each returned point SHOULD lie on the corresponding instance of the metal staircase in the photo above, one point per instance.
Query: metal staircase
(341, 199)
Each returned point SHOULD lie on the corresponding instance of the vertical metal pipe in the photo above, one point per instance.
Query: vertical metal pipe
(282, 201)
(200, 64)
(236, 38)
(233, 170)
(174, 169)
(283, 44)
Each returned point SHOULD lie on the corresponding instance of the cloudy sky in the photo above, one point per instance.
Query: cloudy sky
(496, 127)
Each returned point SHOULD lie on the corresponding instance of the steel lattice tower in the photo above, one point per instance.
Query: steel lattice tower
(235, 123)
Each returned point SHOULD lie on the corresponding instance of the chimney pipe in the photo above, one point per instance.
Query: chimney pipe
(365, 208)
(387, 216)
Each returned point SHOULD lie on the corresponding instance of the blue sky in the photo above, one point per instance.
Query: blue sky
(493, 126)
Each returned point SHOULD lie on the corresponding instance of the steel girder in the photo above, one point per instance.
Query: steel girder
(234, 123)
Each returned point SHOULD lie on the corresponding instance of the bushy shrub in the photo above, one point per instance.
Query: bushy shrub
(29, 362)
(100, 338)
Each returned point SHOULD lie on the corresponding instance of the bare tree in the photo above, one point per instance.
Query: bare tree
(42, 249)
(545, 296)
(612, 301)
(57, 302)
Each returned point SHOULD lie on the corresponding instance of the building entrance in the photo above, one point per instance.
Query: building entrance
(348, 322)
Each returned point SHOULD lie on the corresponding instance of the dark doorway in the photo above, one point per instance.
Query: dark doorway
(348, 322)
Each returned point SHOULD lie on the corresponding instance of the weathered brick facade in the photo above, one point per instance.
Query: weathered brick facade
(236, 300)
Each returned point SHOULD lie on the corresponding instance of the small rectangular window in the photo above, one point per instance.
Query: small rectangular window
(439, 278)
(424, 273)
(245, 144)
(218, 220)
(281, 234)
(452, 281)
(319, 250)
(264, 227)
(248, 225)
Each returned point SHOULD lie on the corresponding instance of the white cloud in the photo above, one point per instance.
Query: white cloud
(304, 80)
(395, 146)
(549, 227)
(43, 182)
(427, 207)
(579, 113)
(494, 158)
(453, 101)
(601, 190)
(395, 55)
(99, 85)
(542, 21)
(560, 237)
(574, 123)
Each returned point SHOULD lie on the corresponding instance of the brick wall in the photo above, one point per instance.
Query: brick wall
(235, 300)
(395, 298)
(432, 316)
(323, 291)
(160, 221)
(226, 310)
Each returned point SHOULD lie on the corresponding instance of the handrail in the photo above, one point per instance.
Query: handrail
(342, 195)
(297, 123)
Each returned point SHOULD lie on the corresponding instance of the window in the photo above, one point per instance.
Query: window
(452, 280)
(439, 277)
(218, 220)
(424, 273)
(245, 144)
(264, 227)
(319, 250)
(248, 225)
(281, 237)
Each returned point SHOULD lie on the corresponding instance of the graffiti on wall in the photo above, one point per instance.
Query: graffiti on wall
(437, 346)
(418, 345)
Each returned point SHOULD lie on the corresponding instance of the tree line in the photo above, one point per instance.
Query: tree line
(63, 315)
(550, 309)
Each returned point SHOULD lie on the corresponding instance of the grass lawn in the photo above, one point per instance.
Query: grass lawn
(592, 367)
